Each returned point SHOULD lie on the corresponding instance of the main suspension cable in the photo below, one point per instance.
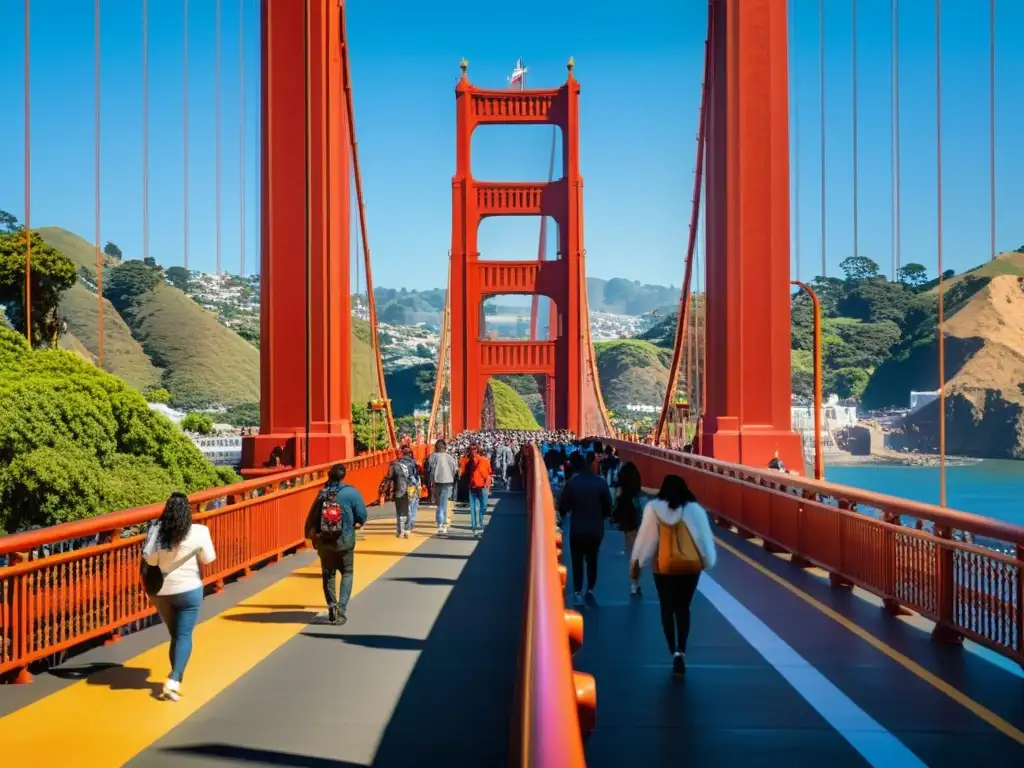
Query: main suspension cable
(96, 190)
(684, 299)
(938, 186)
(370, 299)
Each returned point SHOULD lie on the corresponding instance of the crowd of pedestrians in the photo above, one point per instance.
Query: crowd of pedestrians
(668, 531)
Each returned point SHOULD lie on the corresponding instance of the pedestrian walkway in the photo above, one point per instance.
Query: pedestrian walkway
(792, 673)
(426, 663)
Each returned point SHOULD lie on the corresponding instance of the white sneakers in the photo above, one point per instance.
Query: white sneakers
(171, 690)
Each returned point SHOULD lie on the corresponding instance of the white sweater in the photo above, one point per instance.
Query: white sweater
(646, 545)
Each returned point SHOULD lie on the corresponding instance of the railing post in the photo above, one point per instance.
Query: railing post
(890, 603)
(944, 631)
(1019, 551)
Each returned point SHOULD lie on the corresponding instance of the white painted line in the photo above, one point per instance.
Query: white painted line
(866, 735)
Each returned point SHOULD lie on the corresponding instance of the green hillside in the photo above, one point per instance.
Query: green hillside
(632, 371)
(510, 410)
(204, 362)
(78, 249)
(123, 356)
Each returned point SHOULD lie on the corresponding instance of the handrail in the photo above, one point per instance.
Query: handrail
(966, 574)
(940, 516)
(112, 521)
(53, 604)
(551, 695)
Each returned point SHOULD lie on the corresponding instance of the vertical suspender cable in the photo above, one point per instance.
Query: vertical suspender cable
(992, 125)
(96, 190)
(938, 185)
(145, 129)
(821, 100)
(241, 137)
(216, 129)
(28, 174)
(185, 131)
(856, 164)
(307, 44)
(895, 110)
(796, 184)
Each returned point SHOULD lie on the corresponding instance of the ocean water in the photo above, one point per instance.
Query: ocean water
(992, 488)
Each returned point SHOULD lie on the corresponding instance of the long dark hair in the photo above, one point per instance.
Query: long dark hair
(175, 522)
(630, 483)
(675, 492)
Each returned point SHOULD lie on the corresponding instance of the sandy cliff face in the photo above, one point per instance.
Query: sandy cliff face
(985, 391)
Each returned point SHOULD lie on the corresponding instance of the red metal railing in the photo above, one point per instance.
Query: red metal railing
(962, 571)
(50, 604)
(556, 704)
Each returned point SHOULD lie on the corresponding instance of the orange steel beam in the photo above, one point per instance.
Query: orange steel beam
(819, 460)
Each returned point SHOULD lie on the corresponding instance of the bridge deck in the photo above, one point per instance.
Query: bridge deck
(781, 669)
(425, 666)
(784, 670)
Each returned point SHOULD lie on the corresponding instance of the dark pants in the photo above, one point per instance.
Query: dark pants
(583, 549)
(675, 593)
(332, 561)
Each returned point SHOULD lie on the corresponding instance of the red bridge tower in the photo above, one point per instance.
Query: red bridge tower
(475, 359)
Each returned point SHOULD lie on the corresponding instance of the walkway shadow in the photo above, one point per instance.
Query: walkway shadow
(275, 617)
(116, 677)
(467, 666)
(379, 642)
(426, 581)
(237, 754)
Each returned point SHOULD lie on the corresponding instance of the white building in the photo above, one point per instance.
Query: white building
(222, 450)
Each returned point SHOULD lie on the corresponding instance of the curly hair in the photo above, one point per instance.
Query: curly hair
(175, 522)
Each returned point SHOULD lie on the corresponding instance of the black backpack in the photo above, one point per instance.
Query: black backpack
(331, 517)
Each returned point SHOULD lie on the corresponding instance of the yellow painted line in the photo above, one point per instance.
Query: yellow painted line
(903, 660)
(110, 717)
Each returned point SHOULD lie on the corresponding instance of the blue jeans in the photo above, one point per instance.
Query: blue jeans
(180, 614)
(414, 505)
(444, 493)
(477, 505)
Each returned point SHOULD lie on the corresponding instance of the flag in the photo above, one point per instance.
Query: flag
(518, 74)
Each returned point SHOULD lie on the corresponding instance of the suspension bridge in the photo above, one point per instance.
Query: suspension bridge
(840, 627)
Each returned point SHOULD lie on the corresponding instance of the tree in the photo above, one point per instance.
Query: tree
(875, 299)
(912, 275)
(128, 282)
(868, 343)
(198, 423)
(830, 291)
(858, 268)
(801, 322)
(112, 251)
(851, 382)
(179, 277)
(52, 274)
(159, 395)
(75, 441)
(8, 222)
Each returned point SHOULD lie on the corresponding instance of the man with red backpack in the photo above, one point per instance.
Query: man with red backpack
(337, 513)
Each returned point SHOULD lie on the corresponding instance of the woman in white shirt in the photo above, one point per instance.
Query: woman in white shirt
(675, 503)
(177, 547)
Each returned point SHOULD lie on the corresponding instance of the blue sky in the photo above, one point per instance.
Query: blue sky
(640, 69)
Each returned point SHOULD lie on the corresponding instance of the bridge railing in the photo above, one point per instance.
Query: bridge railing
(556, 704)
(78, 582)
(962, 571)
